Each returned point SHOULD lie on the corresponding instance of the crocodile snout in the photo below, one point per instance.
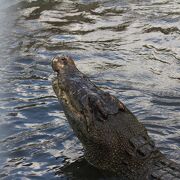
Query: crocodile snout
(59, 63)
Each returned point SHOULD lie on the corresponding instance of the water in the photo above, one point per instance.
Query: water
(129, 48)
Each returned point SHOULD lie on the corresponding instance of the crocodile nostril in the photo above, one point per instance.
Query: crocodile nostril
(63, 58)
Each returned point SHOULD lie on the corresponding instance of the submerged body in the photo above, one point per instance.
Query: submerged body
(112, 137)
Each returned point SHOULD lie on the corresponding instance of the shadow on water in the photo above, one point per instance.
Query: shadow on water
(81, 169)
(128, 48)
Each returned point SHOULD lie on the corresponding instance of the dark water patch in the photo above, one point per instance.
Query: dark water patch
(167, 99)
(166, 31)
(160, 3)
(79, 169)
(174, 102)
(107, 65)
(120, 27)
(106, 11)
(87, 7)
(156, 48)
(25, 61)
(178, 78)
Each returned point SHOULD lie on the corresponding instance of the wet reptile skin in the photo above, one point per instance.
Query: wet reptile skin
(112, 137)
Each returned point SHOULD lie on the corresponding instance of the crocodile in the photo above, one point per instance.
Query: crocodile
(112, 137)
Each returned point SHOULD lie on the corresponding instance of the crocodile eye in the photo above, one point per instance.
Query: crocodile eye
(64, 60)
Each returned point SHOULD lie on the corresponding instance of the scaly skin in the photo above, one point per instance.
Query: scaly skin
(112, 137)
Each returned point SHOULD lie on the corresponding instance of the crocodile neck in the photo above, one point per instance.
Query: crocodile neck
(139, 160)
(111, 135)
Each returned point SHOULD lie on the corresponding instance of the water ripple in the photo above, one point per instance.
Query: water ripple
(128, 48)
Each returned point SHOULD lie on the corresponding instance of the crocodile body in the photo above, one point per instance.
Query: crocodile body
(112, 137)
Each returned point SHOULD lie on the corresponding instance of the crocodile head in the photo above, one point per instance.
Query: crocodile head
(80, 98)
(101, 122)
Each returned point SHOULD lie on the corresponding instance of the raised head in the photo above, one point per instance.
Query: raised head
(102, 123)
(62, 63)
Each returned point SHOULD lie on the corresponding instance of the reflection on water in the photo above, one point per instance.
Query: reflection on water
(129, 48)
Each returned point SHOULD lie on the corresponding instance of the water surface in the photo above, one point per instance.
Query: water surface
(129, 48)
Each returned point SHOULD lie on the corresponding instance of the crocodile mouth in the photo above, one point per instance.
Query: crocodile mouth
(58, 82)
(73, 113)
(62, 84)
(62, 94)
